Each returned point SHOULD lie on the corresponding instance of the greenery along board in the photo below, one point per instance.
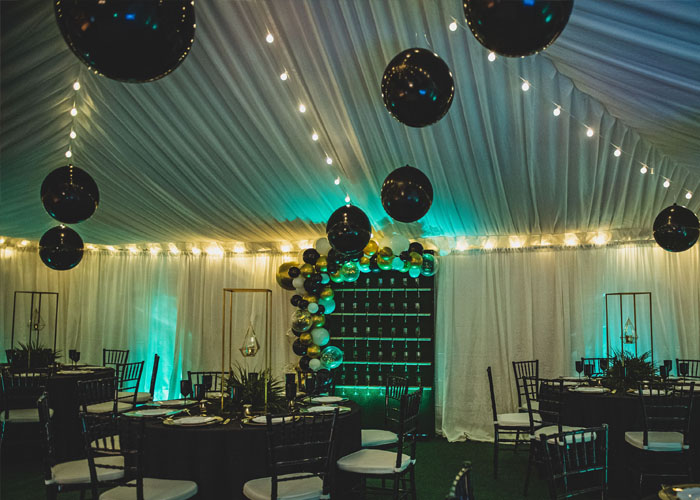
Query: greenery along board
(315, 296)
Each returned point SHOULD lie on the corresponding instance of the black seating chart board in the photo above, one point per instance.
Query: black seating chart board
(385, 325)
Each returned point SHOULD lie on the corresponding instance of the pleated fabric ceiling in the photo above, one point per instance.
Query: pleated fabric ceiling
(218, 150)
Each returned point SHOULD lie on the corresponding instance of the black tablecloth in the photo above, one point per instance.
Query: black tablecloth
(221, 458)
(622, 413)
(63, 399)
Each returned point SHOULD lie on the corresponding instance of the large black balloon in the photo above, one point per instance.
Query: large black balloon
(517, 28)
(69, 194)
(417, 87)
(676, 228)
(348, 230)
(407, 194)
(298, 348)
(61, 248)
(131, 41)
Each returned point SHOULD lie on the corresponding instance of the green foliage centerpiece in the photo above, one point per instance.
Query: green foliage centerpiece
(627, 372)
(245, 387)
(31, 356)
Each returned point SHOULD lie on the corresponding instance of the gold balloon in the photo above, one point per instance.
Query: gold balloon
(318, 320)
(306, 270)
(310, 298)
(416, 259)
(283, 278)
(364, 261)
(327, 293)
(313, 351)
(385, 253)
(371, 248)
(306, 338)
(322, 264)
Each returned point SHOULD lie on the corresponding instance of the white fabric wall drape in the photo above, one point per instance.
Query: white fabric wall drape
(492, 308)
(495, 308)
(169, 305)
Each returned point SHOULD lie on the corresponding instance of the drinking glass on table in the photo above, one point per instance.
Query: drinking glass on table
(669, 365)
(579, 368)
(199, 392)
(603, 364)
(185, 388)
(206, 381)
(663, 371)
(74, 357)
(683, 369)
(588, 370)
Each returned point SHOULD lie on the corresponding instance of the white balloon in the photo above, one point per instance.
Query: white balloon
(315, 364)
(313, 307)
(298, 282)
(399, 243)
(384, 242)
(320, 336)
(322, 246)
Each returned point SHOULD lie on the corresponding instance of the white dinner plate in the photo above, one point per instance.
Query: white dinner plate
(575, 379)
(155, 412)
(73, 372)
(262, 419)
(591, 390)
(214, 394)
(174, 402)
(570, 383)
(327, 399)
(194, 420)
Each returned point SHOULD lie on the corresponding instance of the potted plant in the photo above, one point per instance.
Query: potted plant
(245, 387)
(31, 356)
(627, 372)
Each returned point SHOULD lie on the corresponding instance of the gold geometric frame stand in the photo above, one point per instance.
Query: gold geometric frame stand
(634, 295)
(228, 296)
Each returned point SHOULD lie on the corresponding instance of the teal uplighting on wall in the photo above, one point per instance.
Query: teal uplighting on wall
(161, 341)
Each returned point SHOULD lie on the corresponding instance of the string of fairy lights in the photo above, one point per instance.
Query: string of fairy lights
(558, 109)
(291, 77)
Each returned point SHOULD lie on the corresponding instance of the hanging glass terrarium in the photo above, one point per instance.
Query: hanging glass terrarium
(630, 334)
(250, 346)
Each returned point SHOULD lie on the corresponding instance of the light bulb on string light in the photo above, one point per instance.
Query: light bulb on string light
(337, 181)
(173, 249)
(688, 195)
(667, 183)
(302, 108)
(76, 85)
(618, 152)
(556, 111)
(491, 57)
(69, 153)
(644, 169)
(453, 26)
(314, 137)
(195, 251)
(589, 132)
(347, 198)
(73, 111)
(525, 86)
(73, 135)
(269, 38)
(284, 76)
(329, 160)
(133, 250)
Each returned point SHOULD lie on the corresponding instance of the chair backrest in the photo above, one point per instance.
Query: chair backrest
(198, 378)
(408, 422)
(20, 389)
(577, 461)
(550, 398)
(522, 370)
(47, 434)
(128, 377)
(99, 390)
(114, 356)
(154, 375)
(300, 445)
(493, 395)
(668, 411)
(99, 433)
(462, 487)
(691, 368)
(598, 366)
(396, 388)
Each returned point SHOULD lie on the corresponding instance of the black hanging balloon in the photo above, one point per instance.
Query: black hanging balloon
(298, 348)
(61, 248)
(311, 255)
(676, 228)
(517, 28)
(415, 247)
(417, 87)
(69, 194)
(131, 41)
(348, 230)
(407, 194)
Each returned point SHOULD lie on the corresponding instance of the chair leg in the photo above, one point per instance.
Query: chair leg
(51, 492)
(395, 495)
(517, 440)
(530, 460)
(495, 454)
(414, 492)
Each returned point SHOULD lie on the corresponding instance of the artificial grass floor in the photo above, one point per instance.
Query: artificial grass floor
(438, 461)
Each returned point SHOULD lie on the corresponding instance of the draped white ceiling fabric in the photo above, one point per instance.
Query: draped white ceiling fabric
(218, 150)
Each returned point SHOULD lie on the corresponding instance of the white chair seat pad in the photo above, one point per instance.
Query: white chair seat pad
(141, 397)
(658, 441)
(515, 420)
(308, 488)
(377, 437)
(109, 442)
(23, 416)
(78, 471)
(108, 406)
(154, 489)
(371, 461)
(553, 429)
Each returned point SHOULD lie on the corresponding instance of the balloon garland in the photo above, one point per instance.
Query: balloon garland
(321, 265)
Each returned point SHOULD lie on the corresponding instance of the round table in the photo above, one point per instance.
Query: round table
(221, 458)
(622, 413)
(63, 399)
